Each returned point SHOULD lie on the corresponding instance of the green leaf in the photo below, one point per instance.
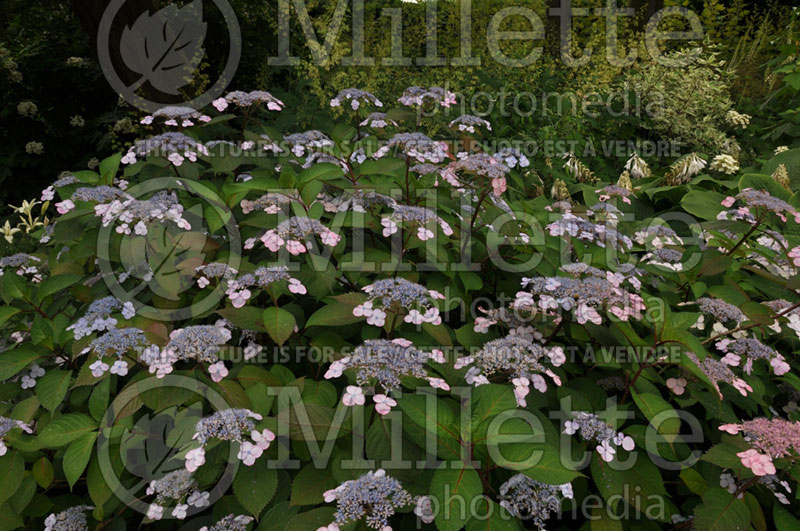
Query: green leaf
(55, 284)
(335, 314)
(491, 517)
(784, 520)
(12, 469)
(694, 481)
(13, 361)
(703, 204)
(7, 312)
(43, 473)
(9, 519)
(66, 429)
(52, 388)
(491, 400)
(309, 485)
(454, 490)
(98, 400)
(279, 324)
(720, 511)
(77, 457)
(312, 519)
(658, 412)
(254, 486)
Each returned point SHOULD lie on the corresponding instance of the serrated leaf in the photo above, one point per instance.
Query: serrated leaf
(454, 489)
(77, 457)
(43, 473)
(335, 314)
(720, 511)
(66, 429)
(12, 469)
(309, 485)
(52, 388)
(658, 412)
(13, 361)
(279, 324)
(254, 486)
(491, 517)
(7, 312)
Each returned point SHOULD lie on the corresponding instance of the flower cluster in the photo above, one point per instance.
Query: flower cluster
(300, 143)
(420, 218)
(375, 497)
(468, 123)
(612, 190)
(377, 120)
(399, 296)
(582, 296)
(98, 316)
(761, 202)
(519, 357)
(682, 170)
(591, 428)
(230, 523)
(176, 116)
(415, 146)
(214, 270)
(657, 236)
(751, 349)
(248, 99)
(179, 487)
(139, 213)
(578, 169)
(230, 425)
(24, 264)
(717, 371)
(461, 173)
(239, 289)
(176, 147)
(294, 234)
(770, 439)
(271, 203)
(199, 342)
(356, 97)
(419, 96)
(34, 371)
(116, 342)
(724, 164)
(636, 167)
(531, 500)
(584, 230)
(385, 362)
(72, 519)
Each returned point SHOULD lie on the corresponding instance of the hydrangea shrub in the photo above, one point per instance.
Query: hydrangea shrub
(230, 326)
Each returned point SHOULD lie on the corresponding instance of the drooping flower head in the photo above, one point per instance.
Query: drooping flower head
(399, 296)
(591, 428)
(374, 497)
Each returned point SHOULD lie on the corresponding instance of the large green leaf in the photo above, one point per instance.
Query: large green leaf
(309, 485)
(254, 486)
(66, 429)
(720, 511)
(77, 456)
(454, 490)
(12, 470)
(279, 324)
(13, 361)
(52, 388)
